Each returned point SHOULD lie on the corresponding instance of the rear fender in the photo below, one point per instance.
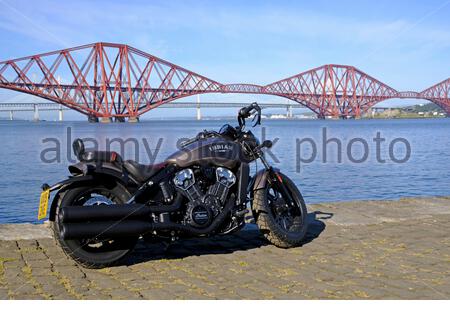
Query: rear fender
(103, 168)
(85, 173)
(61, 186)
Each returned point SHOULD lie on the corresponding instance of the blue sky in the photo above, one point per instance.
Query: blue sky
(405, 44)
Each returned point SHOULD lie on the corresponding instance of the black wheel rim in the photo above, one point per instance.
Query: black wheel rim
(285, 215)
(97, 197)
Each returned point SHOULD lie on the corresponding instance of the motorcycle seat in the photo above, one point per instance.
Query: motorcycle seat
(142, 172)
(102, 156)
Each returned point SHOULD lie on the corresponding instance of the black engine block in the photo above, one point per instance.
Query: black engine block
(203, 207)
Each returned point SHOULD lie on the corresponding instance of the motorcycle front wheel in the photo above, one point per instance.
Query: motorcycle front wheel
(283, 225)
(93, 253)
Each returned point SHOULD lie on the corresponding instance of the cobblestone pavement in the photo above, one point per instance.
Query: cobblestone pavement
(391, 258)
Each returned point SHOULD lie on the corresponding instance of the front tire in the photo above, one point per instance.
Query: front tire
(93, 253)
(283, 227)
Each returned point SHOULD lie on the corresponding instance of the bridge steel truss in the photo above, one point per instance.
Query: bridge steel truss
(108, 80)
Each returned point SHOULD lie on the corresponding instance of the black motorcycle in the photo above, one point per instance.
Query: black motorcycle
(201, 190)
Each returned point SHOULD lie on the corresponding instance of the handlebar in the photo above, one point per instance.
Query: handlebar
(244, 113)
(248, 111)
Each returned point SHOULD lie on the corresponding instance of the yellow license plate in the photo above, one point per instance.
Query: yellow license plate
(43, 204)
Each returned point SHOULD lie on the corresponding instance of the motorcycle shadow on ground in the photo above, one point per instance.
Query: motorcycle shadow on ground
(246, 239)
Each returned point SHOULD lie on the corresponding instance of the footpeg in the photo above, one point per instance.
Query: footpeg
(241, 213)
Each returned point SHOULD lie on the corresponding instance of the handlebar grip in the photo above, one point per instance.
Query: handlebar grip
(245, 112)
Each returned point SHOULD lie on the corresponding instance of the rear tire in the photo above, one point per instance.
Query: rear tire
(279, 232)
(92, 254)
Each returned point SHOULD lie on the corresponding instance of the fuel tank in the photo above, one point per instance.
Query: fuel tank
(211, 151)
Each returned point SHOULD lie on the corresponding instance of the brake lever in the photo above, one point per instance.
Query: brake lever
(254, 122)
(258, 120)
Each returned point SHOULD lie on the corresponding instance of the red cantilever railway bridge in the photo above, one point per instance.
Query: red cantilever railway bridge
(106, 80)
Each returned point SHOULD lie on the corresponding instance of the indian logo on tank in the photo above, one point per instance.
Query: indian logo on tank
(220, 147)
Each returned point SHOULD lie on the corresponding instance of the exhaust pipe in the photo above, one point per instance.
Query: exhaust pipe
(105, 229)
(104, 212)
(115, 212)
(127, 228)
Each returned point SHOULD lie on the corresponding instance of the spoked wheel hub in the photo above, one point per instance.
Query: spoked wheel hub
(97, 198)
(284, 214)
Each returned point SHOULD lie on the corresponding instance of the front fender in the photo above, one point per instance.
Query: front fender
(261, 179)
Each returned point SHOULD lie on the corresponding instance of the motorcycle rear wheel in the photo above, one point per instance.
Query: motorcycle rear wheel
(283, 226)
(92, 253)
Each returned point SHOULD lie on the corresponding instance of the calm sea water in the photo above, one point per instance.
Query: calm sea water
(426, 171)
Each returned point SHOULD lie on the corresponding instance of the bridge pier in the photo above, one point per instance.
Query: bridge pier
(199, 113)
(105, 120)
(92, 118)
(36, 113)
(11, 115)
(289, 112)
(60, 113)
(133, 119)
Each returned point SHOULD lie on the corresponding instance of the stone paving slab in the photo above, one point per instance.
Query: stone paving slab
(354, 250)
(27, 231)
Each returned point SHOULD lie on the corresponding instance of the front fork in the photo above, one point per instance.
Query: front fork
(275, 179)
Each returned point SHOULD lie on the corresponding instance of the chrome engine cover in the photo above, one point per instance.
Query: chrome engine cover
(225, 179)
(185, 180)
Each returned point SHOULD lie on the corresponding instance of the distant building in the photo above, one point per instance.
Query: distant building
(278, 116)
